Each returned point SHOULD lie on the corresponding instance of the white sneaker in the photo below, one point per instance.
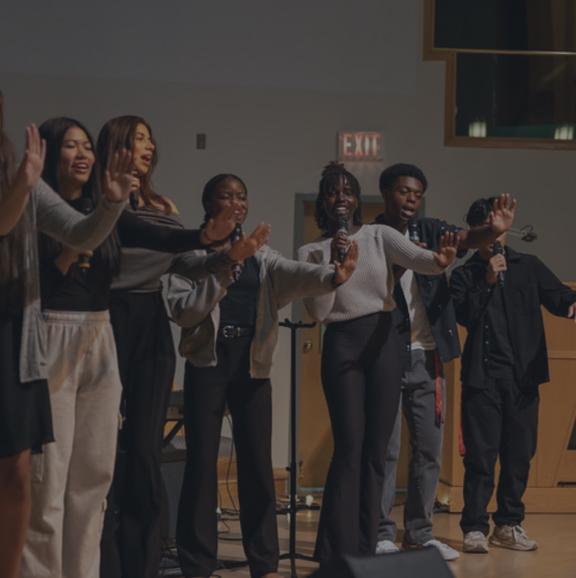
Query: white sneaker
(386, 547)
(448, 553)
(513, 537)
(475, 542)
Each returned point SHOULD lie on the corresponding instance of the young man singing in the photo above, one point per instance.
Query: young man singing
(427, 323)
(497, 295)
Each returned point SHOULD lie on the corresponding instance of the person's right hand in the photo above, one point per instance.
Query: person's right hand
(247, 246)
(68, 257)
(32, 165)
(497, 264)
(119, 179)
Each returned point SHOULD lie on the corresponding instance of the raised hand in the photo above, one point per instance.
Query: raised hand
(339, 246)
(220, 227)
(447, 249)
(247, 246)
(119, 179)
(344, 270)
(32, 164)
(502, 215)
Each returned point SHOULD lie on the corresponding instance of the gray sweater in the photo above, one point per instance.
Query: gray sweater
(195, 307)
(55, 217)
(371, 288)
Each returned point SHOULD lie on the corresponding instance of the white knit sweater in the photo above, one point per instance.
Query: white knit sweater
(370, 289)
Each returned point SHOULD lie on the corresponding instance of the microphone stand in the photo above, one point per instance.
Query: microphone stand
(292, 555)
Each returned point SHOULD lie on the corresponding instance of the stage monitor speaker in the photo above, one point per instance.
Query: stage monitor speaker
(424, 563)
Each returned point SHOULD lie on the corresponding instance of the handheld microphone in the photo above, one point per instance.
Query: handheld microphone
(413, 233)
(342, 228)
(498, 249)
(236, 236)
(133, 201)
(85, 206)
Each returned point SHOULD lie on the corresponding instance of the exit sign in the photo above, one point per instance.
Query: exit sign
(358, 146)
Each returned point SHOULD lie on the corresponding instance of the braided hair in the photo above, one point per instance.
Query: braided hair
(331, 175)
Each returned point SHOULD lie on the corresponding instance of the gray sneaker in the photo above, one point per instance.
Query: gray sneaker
(513, 537)
(386, 547)
(475, 543)
(448, 553)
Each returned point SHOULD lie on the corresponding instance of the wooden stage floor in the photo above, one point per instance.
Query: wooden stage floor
(555, 558)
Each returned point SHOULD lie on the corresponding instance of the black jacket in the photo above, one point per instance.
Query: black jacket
(435, 294)
(528, 284)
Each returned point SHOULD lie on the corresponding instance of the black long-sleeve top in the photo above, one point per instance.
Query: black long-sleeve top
(89, 289)
(528, 285)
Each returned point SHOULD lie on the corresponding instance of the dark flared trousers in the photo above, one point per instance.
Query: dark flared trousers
(362, 364)
(207, 392)
(500, 421)
(131, 544)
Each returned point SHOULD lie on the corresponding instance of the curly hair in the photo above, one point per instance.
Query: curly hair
(331, 176)
(392, 173)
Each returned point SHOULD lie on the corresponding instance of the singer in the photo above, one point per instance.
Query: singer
(146, 358)
(230, 328)
(498, 297)
(362, 360)
(426, 321)
(27, 204)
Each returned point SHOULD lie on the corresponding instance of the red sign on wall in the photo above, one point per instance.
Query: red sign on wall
(358, 146)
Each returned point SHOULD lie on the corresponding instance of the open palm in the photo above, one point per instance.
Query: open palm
(32, 165)
(119, 180)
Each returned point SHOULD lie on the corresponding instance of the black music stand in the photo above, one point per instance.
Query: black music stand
(292, 555)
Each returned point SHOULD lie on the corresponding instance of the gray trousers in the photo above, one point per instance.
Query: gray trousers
(419, 408)
(71, 478)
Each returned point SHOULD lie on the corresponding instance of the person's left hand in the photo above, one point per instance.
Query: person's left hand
(119, 179)
(446, 250)
(344, 269)
(502, 215)
(220, 227)
(247, 246)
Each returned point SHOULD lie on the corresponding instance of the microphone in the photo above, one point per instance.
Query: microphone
(133, 201)
(498, 249)
(236, 236)
(413, 233)
(85, 206)
(342, 224)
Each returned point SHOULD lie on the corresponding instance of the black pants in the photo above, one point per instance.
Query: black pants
(498, 422)
(362, 365)
(207, 391)
(131, 546)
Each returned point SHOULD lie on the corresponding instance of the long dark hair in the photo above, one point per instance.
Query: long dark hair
(53, 132)
(15, 257)
(211, 187)
(331, 176)
(117, 134)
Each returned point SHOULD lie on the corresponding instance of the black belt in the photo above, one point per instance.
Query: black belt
(234, 331)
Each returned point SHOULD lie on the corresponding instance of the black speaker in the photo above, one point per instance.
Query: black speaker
(424, 563)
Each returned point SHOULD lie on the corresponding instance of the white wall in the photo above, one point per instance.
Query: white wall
(270, 84)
